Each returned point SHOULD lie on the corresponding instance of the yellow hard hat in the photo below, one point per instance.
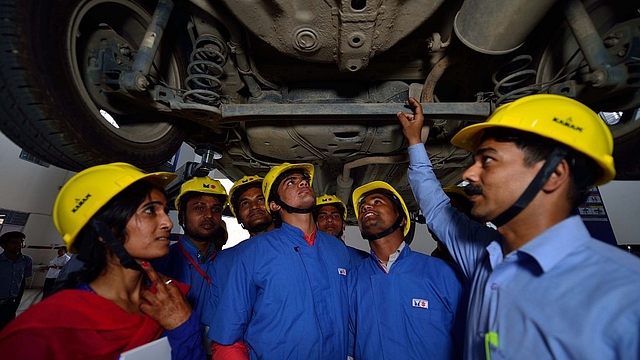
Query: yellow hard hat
(358, 194)
(205, 185)
(327, 199)
(556, 117)
(242, 183)
(89, 190)
(275, 171)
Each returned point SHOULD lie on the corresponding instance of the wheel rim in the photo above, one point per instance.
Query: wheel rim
(623, 124)
(124, 22)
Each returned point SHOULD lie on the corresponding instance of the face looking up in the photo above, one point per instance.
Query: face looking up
(294, 190)
(377, 214)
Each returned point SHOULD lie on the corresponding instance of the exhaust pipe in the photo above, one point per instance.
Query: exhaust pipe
(497, 27)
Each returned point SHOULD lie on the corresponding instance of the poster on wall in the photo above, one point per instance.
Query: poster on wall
(594, 216)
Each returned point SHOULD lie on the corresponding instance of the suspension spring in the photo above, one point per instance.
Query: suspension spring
(205, 68)
(510, 80)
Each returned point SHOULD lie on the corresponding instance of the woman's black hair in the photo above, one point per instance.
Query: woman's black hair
(116, 214)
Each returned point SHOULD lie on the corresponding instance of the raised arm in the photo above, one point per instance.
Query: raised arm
(466, 239)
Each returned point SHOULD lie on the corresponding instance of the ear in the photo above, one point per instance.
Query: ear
(274, 207)
(560, 176)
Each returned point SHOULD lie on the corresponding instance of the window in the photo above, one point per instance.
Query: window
(12, 220)
(31, 158)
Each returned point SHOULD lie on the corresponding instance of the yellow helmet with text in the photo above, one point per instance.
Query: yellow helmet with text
(89, 190)
(556, 117)
(204, 185)
(276, 171)
(327, 199)
(243, 183)
(360, 192)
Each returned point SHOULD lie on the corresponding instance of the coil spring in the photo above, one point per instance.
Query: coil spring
(205, 68)
(514, 74)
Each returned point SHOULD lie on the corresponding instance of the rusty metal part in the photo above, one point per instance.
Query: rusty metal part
(497, 27)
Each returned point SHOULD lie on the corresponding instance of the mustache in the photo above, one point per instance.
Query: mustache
(472, 189)
(257, 211)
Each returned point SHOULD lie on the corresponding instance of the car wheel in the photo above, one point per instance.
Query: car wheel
(54, 106)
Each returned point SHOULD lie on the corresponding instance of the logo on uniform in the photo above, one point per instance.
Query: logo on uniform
(342, 271)
(420, 303)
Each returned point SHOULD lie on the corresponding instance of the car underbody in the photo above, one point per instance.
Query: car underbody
(252, 84)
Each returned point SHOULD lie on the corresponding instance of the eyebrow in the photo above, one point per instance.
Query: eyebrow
(483, 151)
(372, 196)
(205, 203)
(247, 197)
(294, 176)
(153, 203)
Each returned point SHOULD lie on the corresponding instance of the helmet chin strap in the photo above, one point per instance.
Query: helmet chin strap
(291, 210)
(556, 156)
(380, 235)
(115, 246)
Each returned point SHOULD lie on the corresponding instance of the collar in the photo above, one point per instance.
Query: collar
(555, 244)
(311, 239)
(3, 257)
(192, 248)
(297, 233)
(392, 257)
(398, 251)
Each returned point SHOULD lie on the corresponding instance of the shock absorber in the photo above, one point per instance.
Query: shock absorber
(511, 80)
(205, 68)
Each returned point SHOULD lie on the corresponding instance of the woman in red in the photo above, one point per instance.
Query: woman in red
(115, 217)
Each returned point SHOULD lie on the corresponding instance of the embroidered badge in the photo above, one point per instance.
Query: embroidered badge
(342, 271)
(420, 303)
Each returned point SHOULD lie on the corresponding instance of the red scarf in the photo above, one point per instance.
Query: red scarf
(75, 324)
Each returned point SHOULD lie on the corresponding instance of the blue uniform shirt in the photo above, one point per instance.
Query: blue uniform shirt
(563, 295)
(416, 311)
(285, 298)
(219, 273)
(357, 256)
(177, 266)
(12, 274)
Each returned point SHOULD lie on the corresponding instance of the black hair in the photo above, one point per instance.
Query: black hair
(4, 238)
(115, 214)
(583, 170)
